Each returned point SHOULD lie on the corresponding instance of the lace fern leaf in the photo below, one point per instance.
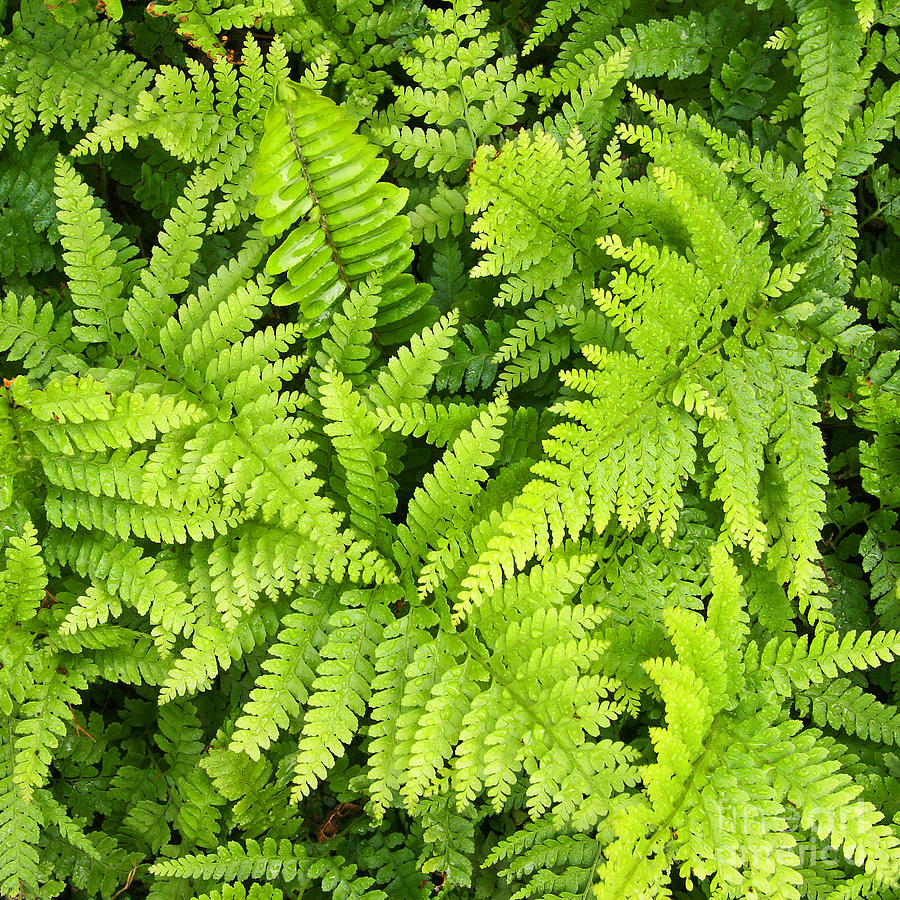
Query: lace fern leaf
(360, 462)
(280, 692)
(553, 16)
(76, 76)
(20, 824)
(341, 689)
(830, 39)
(451, 488)
(151, 302)
(231, 861)
(845, 706)
(94, 258)
(239, 892)
(31, 333)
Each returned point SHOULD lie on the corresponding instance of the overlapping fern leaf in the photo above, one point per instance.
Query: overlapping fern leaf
(56, 74)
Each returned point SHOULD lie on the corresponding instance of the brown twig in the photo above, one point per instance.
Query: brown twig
(127, 883)
(80, 729)
(329, 829)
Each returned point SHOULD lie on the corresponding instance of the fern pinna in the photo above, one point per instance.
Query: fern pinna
(449, 449)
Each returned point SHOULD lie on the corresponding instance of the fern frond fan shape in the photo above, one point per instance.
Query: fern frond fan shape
(318, 182)
(450, 449)
(684, 334)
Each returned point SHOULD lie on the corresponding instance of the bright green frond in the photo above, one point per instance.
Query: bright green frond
(830, 38)
(313, 166)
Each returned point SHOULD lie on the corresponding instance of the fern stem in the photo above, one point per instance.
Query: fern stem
(881, 209)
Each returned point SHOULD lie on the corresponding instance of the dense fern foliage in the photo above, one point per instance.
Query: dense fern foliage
(450, 448)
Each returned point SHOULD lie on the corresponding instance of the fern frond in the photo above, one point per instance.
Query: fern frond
(785, 190)
(216, 121)
(798, 443)
(829, 43)
(438, 423)
(23, 578)
(66, 76)
(27, 221)
(557, 865)
(94, 258)
(31, 333)
(535, 523)
(553, 16)
(280, 692)
(409, 374)
(593, 105)
(165, 276)
(459, 87)
(42, 721)
(449, 841)
(268, 859)
(348, 344)
(20, 824)
(121, 574)
(580, 48)
(450, 489)
(239, 892)
(391, 734)
(814, 781)
(676, 47)
(360, 462)
(801, 662)
(214, 648)
(442, 214)
(312, 165)
(341, 689)
(866, 134)
(845, 706)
